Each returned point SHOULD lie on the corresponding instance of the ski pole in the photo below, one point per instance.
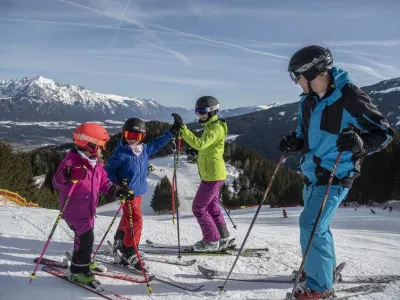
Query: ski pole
(173, 184)
(297, 277)
(222, 288)
(109, 227)
(33, 275)
(234, 226)
(124, 182)
(136, 248)
(176, 191)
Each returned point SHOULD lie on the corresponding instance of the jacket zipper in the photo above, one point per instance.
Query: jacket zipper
(91, 200)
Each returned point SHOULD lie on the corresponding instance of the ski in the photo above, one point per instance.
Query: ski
(170, 261)
(189, 251)
(155, 259)
(98, 290)
(184, 286)
(347, 293)
(110, 274)
(213, 274)
(168, 246)
(188, 248)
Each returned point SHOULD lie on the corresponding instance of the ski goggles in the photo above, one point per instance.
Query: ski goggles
(201, 110)
(94, 149)
(88, 143)
(295, 78)
(134, 135)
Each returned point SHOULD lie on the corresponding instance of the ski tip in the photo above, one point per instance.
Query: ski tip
(206, 272)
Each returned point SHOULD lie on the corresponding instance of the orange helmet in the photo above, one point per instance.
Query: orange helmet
(91, 136)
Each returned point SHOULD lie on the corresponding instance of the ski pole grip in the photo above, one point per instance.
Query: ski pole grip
(179, 143)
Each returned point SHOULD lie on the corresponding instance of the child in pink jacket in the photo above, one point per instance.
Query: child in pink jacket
(84, 166)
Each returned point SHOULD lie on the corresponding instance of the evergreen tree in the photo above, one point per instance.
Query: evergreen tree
(162, 197)
(225, 194)
(235, 185)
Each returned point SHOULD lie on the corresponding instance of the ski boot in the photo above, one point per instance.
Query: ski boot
(303, 292)
(337, 276)
(129, 259)
(226, 243)
(204, 246)
(96, 267)
(86, 279)
(118, 238)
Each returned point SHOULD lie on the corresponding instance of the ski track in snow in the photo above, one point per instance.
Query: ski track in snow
(368, 243)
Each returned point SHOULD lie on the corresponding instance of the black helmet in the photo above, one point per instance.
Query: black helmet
(135, 124)
(208, 101)
(207, 104)
(310, 61)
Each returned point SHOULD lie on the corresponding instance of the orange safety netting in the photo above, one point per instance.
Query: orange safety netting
(14, 197)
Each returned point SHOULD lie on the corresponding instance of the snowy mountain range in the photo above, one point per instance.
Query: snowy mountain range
(40, 99)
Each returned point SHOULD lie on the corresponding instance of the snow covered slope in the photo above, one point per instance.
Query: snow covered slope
(368, 243)
(188, 182)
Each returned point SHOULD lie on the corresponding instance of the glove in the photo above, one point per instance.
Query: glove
(125, 192)
(74, 173)
(178, 123)
(290, 143)
(117, 191)
(350, 141)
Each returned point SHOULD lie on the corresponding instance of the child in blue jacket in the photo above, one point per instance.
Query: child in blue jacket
(130, 161)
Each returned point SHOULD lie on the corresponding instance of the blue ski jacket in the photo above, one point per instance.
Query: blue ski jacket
(124, 164)
(320, 121)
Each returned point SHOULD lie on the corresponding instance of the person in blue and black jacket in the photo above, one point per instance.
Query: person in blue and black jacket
(334, 116)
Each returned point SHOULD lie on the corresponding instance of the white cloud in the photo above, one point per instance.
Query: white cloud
(359, 53)
(363, 69)
(177, 54)
(190, 81)
(112, 14)
(349, 43)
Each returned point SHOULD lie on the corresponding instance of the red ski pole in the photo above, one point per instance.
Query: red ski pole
(33, 275)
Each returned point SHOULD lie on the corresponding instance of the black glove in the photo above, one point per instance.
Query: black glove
(73, 173)
(290, 143)
(178, 123)
(123, 192)
(350, 141)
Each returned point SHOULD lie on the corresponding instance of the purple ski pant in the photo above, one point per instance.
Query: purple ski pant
(206, 209)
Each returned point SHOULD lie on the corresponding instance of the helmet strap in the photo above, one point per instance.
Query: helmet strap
(310, 90)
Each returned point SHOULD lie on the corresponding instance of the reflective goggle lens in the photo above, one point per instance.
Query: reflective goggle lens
(134, 135)
(295, 78)
(201, 110)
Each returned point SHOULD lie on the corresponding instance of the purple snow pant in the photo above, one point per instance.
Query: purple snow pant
(206, 209)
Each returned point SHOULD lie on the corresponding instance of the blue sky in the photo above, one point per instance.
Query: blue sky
(175, 51)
